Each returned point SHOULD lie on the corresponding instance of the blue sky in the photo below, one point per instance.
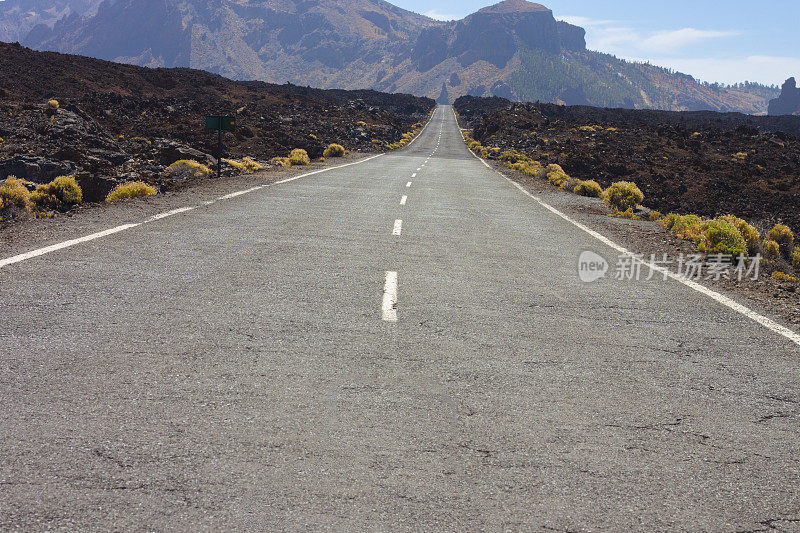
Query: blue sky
(713, 41)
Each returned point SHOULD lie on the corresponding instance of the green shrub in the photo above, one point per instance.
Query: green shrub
(130, 189)
(783, 236)
(623, 195)
(749, 233)
(14, 193)
(186, 168)
(720, 237)
(62, 192)
(588, 188)
(334, 150)
(772, 249)
(298, 156)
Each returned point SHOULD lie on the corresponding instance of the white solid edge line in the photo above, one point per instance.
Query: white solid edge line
(72, 242)
(65, 244)
(719, 298)
(398, 227)
(389, 304)
(403, 200)
(168, 214)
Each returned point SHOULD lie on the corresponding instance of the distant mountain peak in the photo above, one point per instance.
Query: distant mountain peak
(515, 6)
(515, 49)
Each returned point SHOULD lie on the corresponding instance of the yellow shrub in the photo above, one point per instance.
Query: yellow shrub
(14, 193)
(795, 257)
(588, 188)
(131, 189)
(58, 194)
(281, 161)
(512, 156)
(628, 213)
(654, 216)
(234, 163)
(782, 235)
(298, 156)
(771, 249)
(334, 150)
(251, 165)
(623, 195)
(749, 233)
(782, 276)
(559, 179)
(720, 237)
(188, 168)
(246, 166)
(669, 221)
(53, 104)
(688, 227)
(474, 145)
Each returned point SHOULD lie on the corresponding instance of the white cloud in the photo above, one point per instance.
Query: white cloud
(584, 22)
(440, 16)
(611, 37)
(670, 41)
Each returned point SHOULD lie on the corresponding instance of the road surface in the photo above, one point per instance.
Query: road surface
(402, 343)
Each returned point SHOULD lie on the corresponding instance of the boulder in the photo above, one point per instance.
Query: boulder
(34, 168)
(167, 152)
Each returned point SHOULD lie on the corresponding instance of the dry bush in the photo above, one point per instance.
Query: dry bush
(60, 193)
(623, 195)
(589, 188)
(298, 156)
(334, 150)
(130, 189)
(188, 168)
(14, 193)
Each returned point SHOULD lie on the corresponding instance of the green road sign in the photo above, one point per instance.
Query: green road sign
(214, 122)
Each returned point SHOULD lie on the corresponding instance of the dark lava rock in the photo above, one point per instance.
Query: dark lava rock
(34, 168)
(171, 151)
(788, 103)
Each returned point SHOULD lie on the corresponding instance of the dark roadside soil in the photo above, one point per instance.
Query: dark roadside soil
(120, 122)
(27, 233)
(704, 163)
(767, 295)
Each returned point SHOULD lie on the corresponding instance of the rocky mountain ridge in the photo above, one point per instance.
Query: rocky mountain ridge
(515, 49)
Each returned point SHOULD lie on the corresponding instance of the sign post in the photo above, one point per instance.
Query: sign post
(220, 123)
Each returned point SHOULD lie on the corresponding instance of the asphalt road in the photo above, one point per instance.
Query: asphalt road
(240, 366)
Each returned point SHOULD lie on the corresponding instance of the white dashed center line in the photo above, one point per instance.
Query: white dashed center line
(398, 227)
(414, 175)
(408, 184)
(389, 305)
(403, 200)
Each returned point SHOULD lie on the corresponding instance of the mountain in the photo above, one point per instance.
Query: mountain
(788, 103)
(19, 17)
(515, 49)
